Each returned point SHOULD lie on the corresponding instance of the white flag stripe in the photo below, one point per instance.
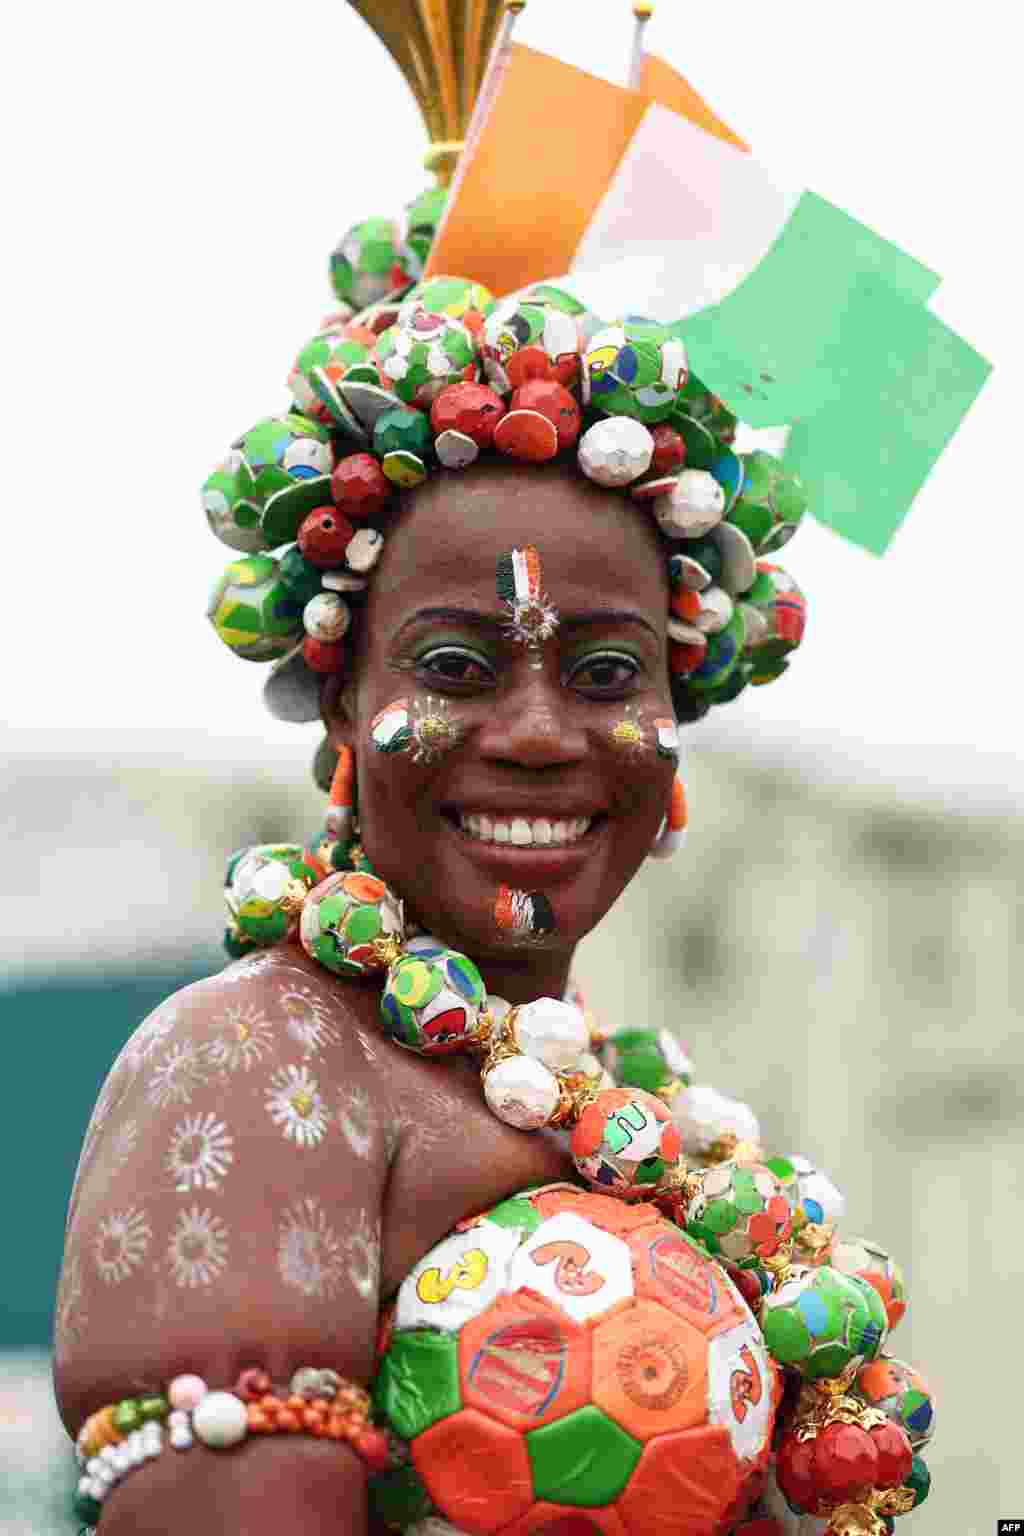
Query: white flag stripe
(696, 214)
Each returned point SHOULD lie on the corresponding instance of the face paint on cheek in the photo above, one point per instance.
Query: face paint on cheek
(523, 912)
(533, 618)
(426, 728)
(628, 734)
(667, 739)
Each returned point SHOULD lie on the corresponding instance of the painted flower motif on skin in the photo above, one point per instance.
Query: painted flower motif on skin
(151, 1034)
(355, 1117)
(122, 1143)
(294, 1103)
(245, 1036)
(70, 1319)
(120, 1245)
(181, 1072)
(310, 1258)
(198, 1249)
(363, 1248)
(307, 1020)
(200, 1153)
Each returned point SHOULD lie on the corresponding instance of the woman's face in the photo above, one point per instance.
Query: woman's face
(536, 743)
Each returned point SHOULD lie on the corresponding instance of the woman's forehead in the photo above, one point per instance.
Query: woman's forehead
(591, 543)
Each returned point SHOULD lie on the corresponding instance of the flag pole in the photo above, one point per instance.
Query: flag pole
(642, 11)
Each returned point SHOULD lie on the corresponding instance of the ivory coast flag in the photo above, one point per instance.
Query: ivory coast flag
(644, 202)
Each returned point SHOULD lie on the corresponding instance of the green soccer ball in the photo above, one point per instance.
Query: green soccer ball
(424, 352)
(634, 369)
(362, 263)
(253, 611)
(819, 1320)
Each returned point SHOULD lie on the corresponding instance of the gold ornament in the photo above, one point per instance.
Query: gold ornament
(442, 48)
(854, 1520)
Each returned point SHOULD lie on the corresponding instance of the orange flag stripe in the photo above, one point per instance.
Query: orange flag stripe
(542, 163)
(661, 83)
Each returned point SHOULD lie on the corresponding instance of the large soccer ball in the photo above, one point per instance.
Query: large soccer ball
(566, 1355)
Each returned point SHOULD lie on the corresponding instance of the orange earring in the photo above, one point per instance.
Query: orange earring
(672, 835)
(340, 800)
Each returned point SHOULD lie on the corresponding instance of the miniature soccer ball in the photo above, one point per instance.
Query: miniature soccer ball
(322, 364)
(424, 352)
(252, 610)
(231, 509)
(523, 341)
(567, 1356)
(900, 1392)
(362, 263)
(432, 1001)
(860, 1256)
(819, 1320)
(257, 883)
(634, 369)
(739, 1213)
(347, 921)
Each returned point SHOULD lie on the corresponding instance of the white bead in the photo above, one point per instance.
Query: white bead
(739, 565)
(181, 1439)
(593, 1068)
(326, 617)
(715, 610)
(702, 1115)
(616, 451)
(177, 1419)
(341, 581)
(363, 550)
(122, 1459)
(108, 1456)
(674, 1054)
(186, 1391)
(693, 507)
(522, 1092)
(552, 1032)
(455, 450)
(92, 1488)
(220, 1420)
(101, 1471)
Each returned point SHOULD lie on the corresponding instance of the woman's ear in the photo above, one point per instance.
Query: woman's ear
(337, 707)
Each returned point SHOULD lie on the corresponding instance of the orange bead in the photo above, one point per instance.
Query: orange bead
(321, 1405)
(288, 1419)
(310, 1416)
(258, 1421)
(295, 1402)
(269, 1403)
(335, 1428)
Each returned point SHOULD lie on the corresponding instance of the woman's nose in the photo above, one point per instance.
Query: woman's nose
(533, 724)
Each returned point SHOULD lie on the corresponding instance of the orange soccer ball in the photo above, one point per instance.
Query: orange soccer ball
(569, 1355)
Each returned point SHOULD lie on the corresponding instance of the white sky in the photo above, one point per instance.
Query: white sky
(174, 179)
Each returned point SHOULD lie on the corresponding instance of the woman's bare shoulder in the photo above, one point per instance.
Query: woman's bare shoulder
(226, 1210)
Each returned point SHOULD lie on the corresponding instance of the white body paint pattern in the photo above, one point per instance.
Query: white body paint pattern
(200, 1153)
(198, 1250)
(294, 1102)
(310, 1257)
(245, 1037)
(120, 1244)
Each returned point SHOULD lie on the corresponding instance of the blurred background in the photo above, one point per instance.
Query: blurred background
(838, 943)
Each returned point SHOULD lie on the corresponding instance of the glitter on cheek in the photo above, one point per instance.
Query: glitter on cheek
(523, 912)
(426, 727)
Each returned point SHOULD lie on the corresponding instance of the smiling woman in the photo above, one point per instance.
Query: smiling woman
(537, 795)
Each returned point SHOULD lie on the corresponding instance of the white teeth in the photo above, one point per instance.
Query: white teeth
(523, 833)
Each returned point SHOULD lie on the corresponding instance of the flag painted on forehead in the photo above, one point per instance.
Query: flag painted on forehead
(532, 618)
(792, 312)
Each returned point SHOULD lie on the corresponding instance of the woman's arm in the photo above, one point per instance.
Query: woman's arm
(227, 1215)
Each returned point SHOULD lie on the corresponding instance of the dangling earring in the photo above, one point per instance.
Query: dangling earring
(672, 835)
(340, 802)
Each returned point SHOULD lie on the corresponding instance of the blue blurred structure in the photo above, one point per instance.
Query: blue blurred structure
(60, 1039)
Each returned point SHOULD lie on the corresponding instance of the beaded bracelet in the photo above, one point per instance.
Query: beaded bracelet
(121, 1436)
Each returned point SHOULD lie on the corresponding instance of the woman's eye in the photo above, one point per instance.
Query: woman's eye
(605, 674)
(451, 665)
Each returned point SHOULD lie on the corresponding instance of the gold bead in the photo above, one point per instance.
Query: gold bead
(643, 9)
